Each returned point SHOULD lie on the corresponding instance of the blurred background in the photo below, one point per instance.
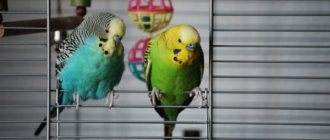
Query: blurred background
(270, 72)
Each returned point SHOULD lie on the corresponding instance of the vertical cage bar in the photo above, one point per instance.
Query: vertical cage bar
(57, 116)
(207, 114)
(210, 94)
(48, 70)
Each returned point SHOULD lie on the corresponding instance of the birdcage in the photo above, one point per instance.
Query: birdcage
(265, 74)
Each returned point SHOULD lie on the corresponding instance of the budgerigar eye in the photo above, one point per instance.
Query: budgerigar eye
(107, 30)
(179, 40)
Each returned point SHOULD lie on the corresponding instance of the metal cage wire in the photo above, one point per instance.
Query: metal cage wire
(217, 77)
(209, 122)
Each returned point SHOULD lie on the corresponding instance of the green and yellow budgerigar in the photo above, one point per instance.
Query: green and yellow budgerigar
(90, 62)
(173, 65)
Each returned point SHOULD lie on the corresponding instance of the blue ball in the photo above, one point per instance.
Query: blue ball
(136, 69)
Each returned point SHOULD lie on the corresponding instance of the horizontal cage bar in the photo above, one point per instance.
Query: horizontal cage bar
(131, 106)
(135, 91)
(271, 46)
(273, 108)
(272, 123)
(23, 12)
(190, 107)
(272, 92)
(25, 28)
(271, 30)
(225, 138)
(272, 14)
(23, 106)
(23, 59)
(23, 74)
(271, 0)
(179, 122)
(22, 137)
(127, 137)
(23, 90)
(273, 77)
(131, 122)
(215, 91)
(269, 61)
(106, 121)
(23, 43)
(22, 121)
(102, 106)
(54, 90)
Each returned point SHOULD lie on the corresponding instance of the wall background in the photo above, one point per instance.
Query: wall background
(196, 13)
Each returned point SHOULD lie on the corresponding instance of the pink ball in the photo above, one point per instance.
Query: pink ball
(136, 54)
(136, 58)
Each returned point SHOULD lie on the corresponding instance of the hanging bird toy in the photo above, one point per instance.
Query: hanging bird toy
(149, 16)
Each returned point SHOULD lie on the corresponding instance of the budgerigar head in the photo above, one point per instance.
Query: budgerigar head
(183, 42)
(110, 30)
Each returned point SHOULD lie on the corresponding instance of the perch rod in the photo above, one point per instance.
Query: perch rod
(58, 23)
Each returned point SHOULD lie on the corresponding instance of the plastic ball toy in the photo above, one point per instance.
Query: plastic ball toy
(150, 15)
(136, 58)
(81, 6)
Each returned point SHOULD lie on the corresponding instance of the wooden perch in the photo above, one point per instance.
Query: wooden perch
(38, 25)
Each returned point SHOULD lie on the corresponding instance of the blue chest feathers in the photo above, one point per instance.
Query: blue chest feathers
(90, 73)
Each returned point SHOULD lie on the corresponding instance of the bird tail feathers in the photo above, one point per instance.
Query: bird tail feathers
(168, 129)
(53, 114)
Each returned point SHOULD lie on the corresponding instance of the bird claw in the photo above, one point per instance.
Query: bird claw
(155, 93)
(197, 92)
(110, 99)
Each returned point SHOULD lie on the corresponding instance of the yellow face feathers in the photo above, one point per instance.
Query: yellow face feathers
(188, 35)
(183, 41)
(115, 33)
(117, 28)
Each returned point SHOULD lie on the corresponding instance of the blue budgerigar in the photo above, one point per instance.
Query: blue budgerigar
(90, 62)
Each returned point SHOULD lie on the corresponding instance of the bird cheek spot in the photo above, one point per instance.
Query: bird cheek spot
(103, 39)
(176, 60)
(176, 51)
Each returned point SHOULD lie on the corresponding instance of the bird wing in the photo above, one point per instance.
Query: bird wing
(67, 48)
(147, 72)
(147, 65)
(201, 65)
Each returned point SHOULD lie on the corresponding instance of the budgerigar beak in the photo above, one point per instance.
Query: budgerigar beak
(116, 38)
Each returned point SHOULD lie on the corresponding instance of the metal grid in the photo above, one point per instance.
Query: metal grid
(225, 47)
(49, 91)
(209, 122)
(22, 60)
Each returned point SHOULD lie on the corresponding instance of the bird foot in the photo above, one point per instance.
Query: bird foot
(155, 93)
(110, 99)
(76, 98)
(197, 92)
